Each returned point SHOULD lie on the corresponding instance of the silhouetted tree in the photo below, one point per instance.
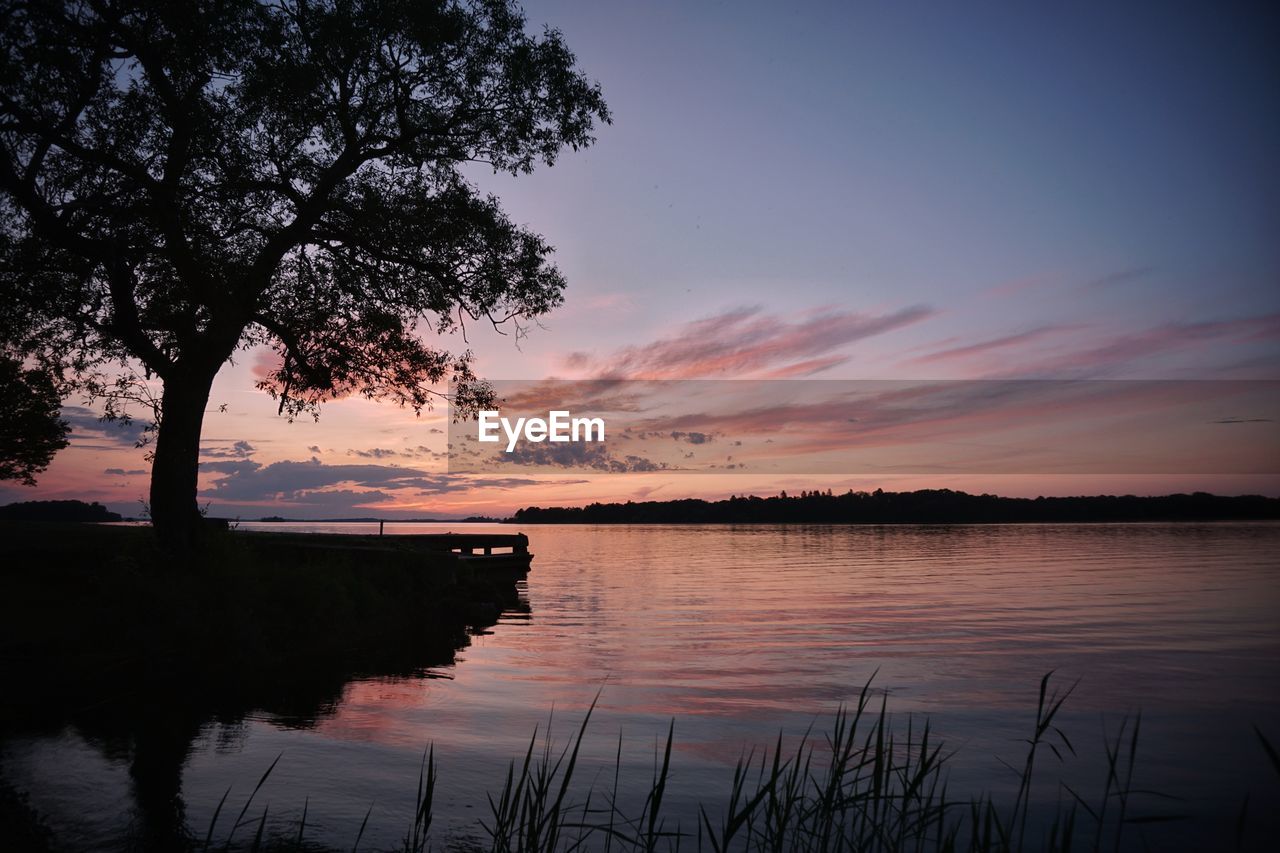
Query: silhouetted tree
(182, 180)
(30, 430)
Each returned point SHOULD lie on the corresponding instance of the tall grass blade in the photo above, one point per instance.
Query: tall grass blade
(1268, 748)
(208, 838)
(359, 835)
(257, 836)
(249, 802)
(302, 825)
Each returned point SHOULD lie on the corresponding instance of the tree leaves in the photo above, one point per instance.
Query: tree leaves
(187, 179)
(30, 430)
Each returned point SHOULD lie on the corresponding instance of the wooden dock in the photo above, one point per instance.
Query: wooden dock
(449, 557)
(497, 555)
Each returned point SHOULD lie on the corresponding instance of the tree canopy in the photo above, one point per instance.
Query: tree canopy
(179, 181)
(30, 430)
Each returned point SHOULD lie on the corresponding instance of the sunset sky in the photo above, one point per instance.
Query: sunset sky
(840, 191)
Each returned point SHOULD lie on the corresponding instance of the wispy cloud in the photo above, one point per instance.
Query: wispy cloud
(314, 484)
(1118, 277)
(230, 466)
(748, 342)
(994, 344)
(587, 457)
(988, 425)
(805, 368)
(88, 430)
(288, 480)
(418, 452)
(238, 450)
(1010, 288)
(1121, 351)
(375, 453)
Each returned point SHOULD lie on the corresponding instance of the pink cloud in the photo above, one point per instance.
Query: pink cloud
(993, 425)
(984, 347)
(805, 368)
(748, 342)
(1122, 350)
(266, 362)
(1119, 277)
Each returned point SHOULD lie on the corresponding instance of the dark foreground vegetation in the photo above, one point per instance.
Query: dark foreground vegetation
(866, 782)
(100, 630)
(928, 506)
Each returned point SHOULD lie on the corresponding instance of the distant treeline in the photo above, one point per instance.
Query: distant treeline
(57, 511)
(929, 506)
(470, 519)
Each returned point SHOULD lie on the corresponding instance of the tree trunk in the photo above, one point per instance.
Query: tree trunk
(176, 464)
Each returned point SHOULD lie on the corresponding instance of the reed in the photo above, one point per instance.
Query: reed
(867, 786)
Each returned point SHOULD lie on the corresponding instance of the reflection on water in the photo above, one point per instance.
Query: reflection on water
(739, 632)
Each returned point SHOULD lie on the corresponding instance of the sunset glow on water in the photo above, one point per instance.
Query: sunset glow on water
(740, 632)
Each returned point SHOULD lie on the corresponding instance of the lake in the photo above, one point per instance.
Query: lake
(738, 633)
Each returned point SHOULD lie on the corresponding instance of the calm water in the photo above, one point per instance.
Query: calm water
(739, 632)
